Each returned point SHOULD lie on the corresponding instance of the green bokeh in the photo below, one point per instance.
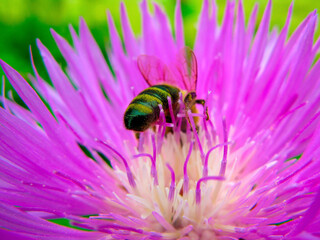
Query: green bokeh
(22, 21)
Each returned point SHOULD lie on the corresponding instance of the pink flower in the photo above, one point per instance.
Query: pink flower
(249, 172)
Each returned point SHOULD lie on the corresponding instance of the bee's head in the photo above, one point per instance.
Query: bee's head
(190, 99)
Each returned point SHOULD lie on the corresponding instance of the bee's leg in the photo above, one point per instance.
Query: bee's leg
(188, 119)
(137, 135)
(202, 102)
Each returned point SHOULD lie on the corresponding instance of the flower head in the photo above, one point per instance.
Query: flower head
(248, 170)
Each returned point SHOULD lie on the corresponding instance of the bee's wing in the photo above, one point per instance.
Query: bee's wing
(187, 68)
(154, 70)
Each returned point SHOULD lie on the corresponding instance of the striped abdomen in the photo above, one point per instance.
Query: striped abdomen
(144, 108)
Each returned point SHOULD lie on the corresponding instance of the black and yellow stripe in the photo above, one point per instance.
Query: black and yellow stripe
(144, 108)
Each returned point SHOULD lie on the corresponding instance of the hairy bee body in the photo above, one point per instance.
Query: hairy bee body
(144, 109)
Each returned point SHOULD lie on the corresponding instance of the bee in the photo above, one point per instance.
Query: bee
(144, 110)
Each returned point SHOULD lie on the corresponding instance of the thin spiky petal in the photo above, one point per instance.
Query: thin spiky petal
(129, 40)
(179, 25)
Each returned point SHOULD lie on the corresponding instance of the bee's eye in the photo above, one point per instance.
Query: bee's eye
(193, 95)
(190, 96)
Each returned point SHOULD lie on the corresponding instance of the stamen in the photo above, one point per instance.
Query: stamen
(164, 223)
(173, 183)
(152, 158)
(178, 128)
(143, 155)
(181, 115)
(207, 133)
(179, 123)
(153, 167)
(189, 134)
(193, 126)
(185, 172)
(198, 189)
(225, 149)
(205, 167)
(162, 127)
(162, 116)
(213, 131)
(180, 98)
(199, 115)
(173, 119)
(129, 173)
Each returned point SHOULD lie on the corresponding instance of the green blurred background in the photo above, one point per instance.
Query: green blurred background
(22, 21)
